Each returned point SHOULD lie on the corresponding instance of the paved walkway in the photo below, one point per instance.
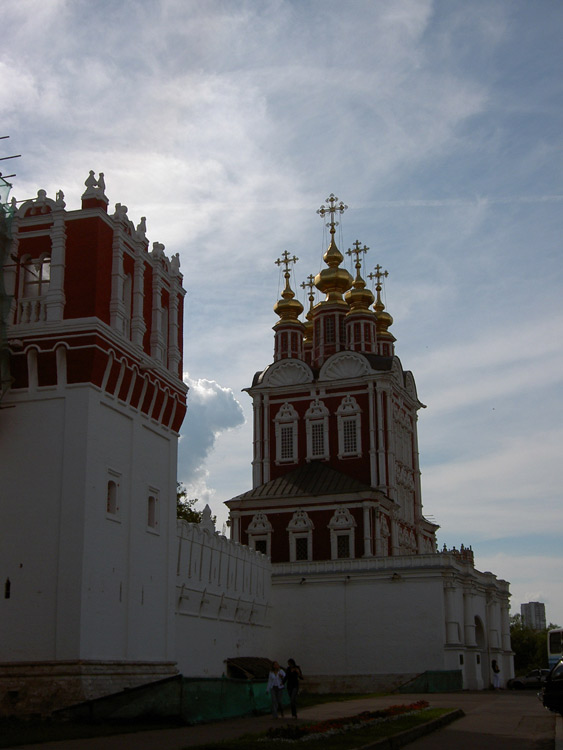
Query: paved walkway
(493, 721)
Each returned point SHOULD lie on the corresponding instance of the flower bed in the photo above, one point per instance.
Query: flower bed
(320, 729)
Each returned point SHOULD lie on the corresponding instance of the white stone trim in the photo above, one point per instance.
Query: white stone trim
(316, 414)
(344, 365)
(286, 417)
(349, 411)
(260, 529)
(342, 523)
(300, 527)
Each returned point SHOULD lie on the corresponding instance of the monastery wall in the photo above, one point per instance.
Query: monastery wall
(372, 624)
(223, 600)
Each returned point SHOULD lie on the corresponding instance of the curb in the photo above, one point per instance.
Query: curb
(559, 732)
(403, 738)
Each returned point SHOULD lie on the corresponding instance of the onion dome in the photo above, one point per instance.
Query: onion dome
(333, 281)
(310, 285)
(382, 318)
(288, 308)
(359, 298)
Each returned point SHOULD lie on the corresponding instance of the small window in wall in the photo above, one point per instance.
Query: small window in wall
(261, 545)
(301, 548)
(342, 528)
(300, 530)
(260, 534)
(329, 330)
(111, 505)
(461, 659)
(342, 546)
(152, 512)
(112, 496)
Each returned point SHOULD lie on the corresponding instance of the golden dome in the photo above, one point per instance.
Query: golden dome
(333, 281)
(359, 298)
(288, 308)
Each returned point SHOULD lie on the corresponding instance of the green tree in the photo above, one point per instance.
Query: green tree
(185, 506)
(529, 646)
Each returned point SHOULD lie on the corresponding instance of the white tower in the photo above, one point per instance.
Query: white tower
(89, 433)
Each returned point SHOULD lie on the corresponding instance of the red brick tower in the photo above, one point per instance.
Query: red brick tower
(335, 467)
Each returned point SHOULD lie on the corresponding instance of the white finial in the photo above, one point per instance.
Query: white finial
(207, 523)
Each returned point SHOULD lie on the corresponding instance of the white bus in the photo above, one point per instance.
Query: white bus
(554, 646)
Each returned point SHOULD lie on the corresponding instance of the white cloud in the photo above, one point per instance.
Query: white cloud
(212, 409)
(228, 124)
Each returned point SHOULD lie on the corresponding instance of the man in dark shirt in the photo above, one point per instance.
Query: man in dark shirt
(292, 677)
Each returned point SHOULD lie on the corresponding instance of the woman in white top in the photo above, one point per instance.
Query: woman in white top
(276, 680)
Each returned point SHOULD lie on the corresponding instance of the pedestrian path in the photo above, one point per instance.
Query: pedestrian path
(499, 720)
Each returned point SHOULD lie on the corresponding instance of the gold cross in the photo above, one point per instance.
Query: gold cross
(379, 274)
(310, 285)
(286, 260)
(357, 251)
(332, 209)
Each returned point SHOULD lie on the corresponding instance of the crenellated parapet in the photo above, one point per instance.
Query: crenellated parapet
(92, 303)
(218, 579)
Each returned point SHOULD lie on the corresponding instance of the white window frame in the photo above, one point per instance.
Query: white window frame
(300, 527)
(316, 414)
(349, 412)
(260, 529)
(286, 417)
(342, 523)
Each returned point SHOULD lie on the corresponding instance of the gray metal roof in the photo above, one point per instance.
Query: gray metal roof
(308, 480)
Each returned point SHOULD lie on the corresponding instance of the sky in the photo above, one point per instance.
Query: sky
(438, 122)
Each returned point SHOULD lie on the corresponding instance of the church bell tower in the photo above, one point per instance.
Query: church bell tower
(335, 464)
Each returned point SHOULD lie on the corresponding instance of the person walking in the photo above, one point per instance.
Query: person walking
(496, 674)
(276, 679)
(292, 676)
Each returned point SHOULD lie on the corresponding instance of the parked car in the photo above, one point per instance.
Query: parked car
(552, 693)
(534, 679)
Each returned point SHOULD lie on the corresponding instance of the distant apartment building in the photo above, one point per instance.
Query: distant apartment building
(533, 615)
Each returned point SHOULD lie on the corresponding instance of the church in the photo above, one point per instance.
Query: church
(330, 559)
(360, 592)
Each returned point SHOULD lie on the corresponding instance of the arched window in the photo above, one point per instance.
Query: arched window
(112, 495)
(260, 534)
(152, 512)
(300, 537)
(286, 434)
(349, 428)
(342, 534)
(316, 418)
(36, 276)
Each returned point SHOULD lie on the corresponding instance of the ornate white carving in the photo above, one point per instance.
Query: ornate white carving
(344, 365)
(410, 385)
(286, 413)
(300, 522)
(316, 410)
(207, 523)
(288, 372)
(259, 524)
(348, 405)
(95, 188)
(342, 519)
